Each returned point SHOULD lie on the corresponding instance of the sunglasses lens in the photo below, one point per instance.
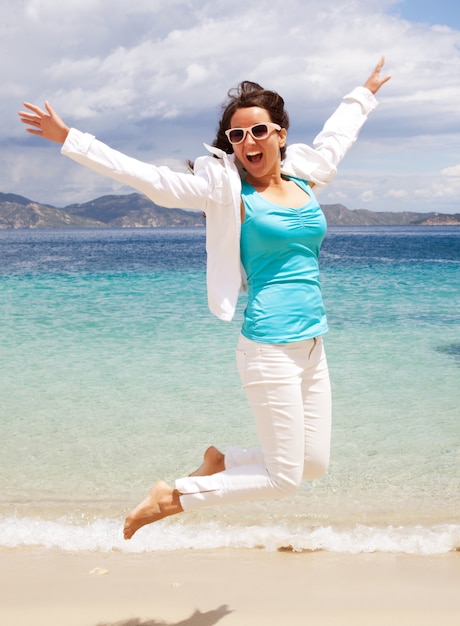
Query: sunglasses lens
(260, 131)
(236, 135)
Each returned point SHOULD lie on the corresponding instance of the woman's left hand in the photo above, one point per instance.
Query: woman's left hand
(374, 82)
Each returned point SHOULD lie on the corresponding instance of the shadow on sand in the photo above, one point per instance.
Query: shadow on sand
(197, 619)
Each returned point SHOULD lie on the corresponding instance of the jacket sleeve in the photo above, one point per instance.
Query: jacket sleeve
(161, 184)
(318, 164)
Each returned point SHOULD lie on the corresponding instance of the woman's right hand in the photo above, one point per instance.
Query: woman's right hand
(47, 124)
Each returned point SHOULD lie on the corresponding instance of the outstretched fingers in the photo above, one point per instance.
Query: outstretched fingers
(32, 120)
(37, 110)
(374, 82)
(379, 65)
(45, 123)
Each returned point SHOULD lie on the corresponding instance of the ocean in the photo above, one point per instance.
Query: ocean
(113, 374)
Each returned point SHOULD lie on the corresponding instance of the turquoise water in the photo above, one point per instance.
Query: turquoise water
(113, 373)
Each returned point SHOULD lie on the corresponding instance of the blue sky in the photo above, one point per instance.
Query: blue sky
(430, 12)
(148, 77)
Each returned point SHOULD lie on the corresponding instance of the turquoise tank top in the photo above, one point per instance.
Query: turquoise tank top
(279, 251)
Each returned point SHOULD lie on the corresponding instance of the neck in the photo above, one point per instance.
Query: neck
(270, 180)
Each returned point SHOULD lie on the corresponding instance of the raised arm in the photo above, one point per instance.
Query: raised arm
(342, 129)
(319, 163)
(162, 185)
(47, 124)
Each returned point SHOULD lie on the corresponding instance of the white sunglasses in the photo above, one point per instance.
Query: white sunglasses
(258, 131)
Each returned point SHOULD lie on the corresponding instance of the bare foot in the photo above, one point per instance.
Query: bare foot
(213, 463)
(161, 502)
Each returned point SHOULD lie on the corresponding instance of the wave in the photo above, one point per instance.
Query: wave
(104, 535)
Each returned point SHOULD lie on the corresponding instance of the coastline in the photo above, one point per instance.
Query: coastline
(229, 587)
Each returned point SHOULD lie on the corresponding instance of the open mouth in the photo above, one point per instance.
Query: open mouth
(254, 157)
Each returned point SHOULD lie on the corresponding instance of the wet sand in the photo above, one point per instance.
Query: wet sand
(227, 588)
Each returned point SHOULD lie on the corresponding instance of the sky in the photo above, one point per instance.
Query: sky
(148, 77)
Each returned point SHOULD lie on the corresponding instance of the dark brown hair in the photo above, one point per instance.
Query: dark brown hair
(246, 95)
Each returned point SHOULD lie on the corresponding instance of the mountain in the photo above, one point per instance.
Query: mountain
(112, 211)
(136, 211)
(338, 215)
(19, 212)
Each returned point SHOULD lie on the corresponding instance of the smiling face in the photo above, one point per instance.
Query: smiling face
(259, 157)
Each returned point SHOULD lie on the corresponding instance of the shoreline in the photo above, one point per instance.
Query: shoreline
(228, 587)
(200, 532)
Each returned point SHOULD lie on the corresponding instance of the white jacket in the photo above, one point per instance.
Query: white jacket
(215, 187)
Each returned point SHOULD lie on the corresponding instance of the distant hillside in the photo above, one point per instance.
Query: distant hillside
(136, 211)
(112, 211)
(133, 211)
(19, 212)
(338, 215)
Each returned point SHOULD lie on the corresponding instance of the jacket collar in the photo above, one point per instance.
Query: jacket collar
(217, 151)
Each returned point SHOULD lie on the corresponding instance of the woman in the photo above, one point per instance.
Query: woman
(264, 229)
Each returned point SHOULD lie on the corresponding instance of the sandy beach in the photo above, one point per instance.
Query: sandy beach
(228, 588)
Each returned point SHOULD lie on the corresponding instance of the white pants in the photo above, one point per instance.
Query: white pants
(288, 389)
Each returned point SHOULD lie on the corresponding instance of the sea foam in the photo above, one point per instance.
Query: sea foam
(105, 535)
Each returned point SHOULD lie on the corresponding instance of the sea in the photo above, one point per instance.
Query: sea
(113, 374)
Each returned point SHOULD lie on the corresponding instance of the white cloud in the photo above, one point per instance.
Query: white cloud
(334, 197)
(453, 171)
(368, 196)
(149, 76)
(398, 194)
(196, 75)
